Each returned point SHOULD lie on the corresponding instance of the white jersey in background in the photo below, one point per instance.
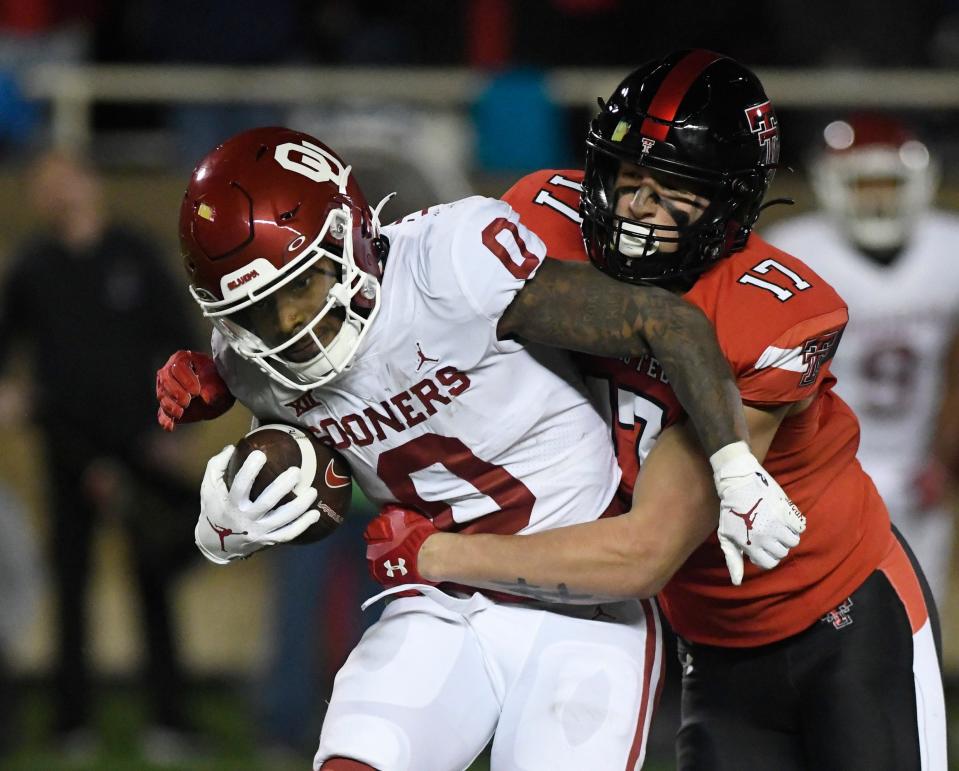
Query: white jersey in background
(890, 368)
(438, 414)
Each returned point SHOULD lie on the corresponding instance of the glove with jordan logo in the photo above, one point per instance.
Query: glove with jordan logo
(186, 376)
(393, 541)
(756, 517)
(233, 527)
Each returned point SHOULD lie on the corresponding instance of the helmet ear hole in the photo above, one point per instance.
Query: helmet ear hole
(288, 215)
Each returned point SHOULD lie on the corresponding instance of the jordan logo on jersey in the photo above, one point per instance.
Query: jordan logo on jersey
(422, 357)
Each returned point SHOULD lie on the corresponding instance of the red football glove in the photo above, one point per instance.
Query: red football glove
(393, 541)
(186, 375)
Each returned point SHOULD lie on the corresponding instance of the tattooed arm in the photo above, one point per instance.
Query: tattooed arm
(573, 305)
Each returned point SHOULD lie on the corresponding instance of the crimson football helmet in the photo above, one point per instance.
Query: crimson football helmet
(875, 177)
(703, 120)
(262, 209)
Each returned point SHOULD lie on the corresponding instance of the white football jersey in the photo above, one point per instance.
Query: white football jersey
(901, 319)
(436, 412)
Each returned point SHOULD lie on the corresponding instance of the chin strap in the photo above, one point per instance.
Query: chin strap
(375, 214)
(777, 202)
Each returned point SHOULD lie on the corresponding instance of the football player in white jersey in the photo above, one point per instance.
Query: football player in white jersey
(893, 259)
(416, 373)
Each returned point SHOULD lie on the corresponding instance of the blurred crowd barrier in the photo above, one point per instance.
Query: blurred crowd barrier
(71, 90)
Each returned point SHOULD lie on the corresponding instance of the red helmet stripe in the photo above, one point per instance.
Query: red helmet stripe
(672, 90)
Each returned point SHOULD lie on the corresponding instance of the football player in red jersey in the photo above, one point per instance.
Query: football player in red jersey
(831, 660)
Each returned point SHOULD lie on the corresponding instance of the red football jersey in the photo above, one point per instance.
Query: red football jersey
(778, 324)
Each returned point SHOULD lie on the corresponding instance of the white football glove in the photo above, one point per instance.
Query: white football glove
(233, 527)
(756, 517)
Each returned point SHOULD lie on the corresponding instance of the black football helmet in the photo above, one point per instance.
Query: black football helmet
(704, 123)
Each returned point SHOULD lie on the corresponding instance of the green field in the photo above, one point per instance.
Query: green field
(220, 712)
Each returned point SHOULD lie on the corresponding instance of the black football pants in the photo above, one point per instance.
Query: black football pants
(840, 695)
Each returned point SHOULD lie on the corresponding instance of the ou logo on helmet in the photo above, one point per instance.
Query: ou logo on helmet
(313, 163)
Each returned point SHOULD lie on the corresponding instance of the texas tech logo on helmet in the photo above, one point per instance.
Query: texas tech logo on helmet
(763, 123)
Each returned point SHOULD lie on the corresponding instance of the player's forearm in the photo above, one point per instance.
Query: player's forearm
(582, 564)
(684, 343)
(575, 306)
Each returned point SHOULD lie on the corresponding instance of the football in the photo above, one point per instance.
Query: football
(320, 467)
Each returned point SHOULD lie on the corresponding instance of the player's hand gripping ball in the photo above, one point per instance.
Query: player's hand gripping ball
(277, 484)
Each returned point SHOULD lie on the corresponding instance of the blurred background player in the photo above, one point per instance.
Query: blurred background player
(894, 261)
(85, 299)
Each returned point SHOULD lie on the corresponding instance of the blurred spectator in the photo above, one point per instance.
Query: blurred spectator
(894, 262)
(91, 305)
(945, 40)
(858, 33)
(20, 581)
(234, 33)
(518, 126)
(32, 33)
(18, 117)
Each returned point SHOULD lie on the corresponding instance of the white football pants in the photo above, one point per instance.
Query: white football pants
(436, 677)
